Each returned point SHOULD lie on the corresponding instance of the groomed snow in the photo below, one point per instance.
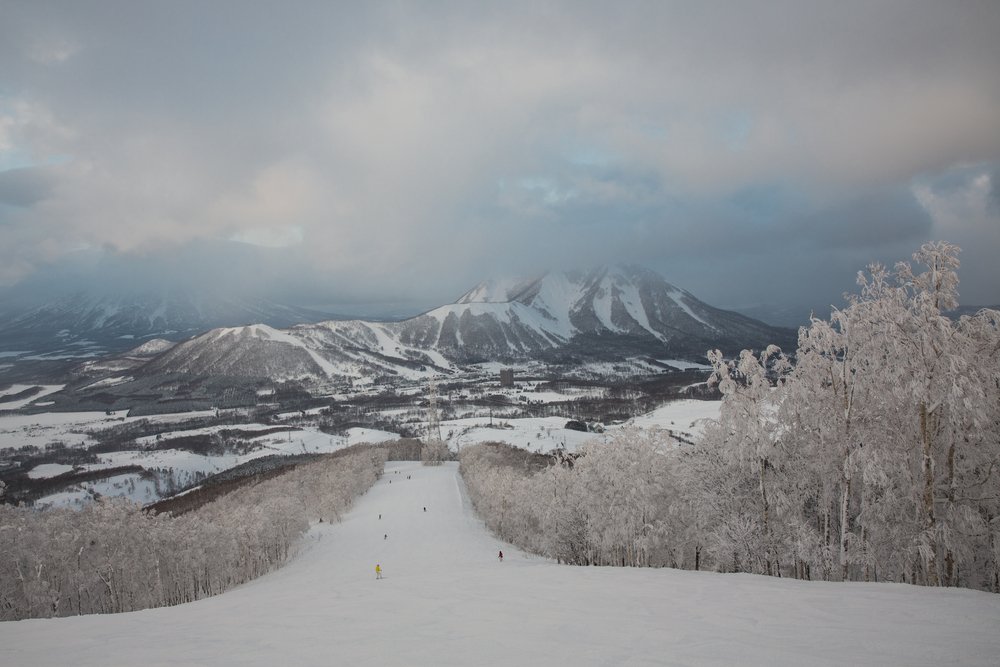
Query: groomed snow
(447, 600)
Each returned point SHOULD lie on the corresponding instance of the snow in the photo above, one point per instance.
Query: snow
(206, 430)
(309, 440)
(17, 430)
(536, 434)
(446, 600)
(602, 305)
(72, 497)
(110, 381)
(129, 485)
(270, 333)
(494, 290)
(185, 466)
(681, 364)
(686, 417)
(387, 344)
(625, 366)
(679, 300)
(153, 346)
(632, 301)
(47, 470)
(17, 388)
(55, 356)
(556, 295)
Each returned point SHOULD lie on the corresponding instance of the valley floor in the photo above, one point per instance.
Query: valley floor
(447, 600)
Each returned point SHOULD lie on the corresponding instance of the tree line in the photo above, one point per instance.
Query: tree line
(111, 556)
(871, 454)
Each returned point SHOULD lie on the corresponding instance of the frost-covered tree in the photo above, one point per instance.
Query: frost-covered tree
(748, 436)
(888, 417)
(875, 456)
(111, 556)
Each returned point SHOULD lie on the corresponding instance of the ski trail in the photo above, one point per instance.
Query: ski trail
(446, 600)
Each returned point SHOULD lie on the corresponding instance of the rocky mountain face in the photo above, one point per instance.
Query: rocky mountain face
(596, 315)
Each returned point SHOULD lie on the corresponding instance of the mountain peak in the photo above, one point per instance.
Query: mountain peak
(603, 313)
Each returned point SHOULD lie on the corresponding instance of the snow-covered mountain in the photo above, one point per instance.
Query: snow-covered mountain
(599, 314)
(113, 322)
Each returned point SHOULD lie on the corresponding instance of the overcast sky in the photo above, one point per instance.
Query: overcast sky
(751, 152)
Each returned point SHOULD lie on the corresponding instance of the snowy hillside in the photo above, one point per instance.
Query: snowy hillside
(607, 313)
(86, 324)
(447, 600)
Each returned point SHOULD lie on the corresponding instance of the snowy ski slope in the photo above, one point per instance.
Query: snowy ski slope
(446, 600)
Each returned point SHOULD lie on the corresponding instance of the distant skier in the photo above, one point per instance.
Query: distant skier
(425, 509)
(379, 517)
(501, 556)
(386, 536)
(378, 571)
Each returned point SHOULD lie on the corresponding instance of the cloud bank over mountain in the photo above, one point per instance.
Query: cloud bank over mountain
(751, 153)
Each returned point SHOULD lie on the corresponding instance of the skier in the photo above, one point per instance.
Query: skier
(386, 536)
(425, 509)
(501, 556)
(378, 571)
(379, 517)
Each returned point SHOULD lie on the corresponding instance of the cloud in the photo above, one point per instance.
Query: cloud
(405, 149)
(961, 202)
(24, 187)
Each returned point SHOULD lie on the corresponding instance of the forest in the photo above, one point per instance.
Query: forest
(112, 556)
(870, 453)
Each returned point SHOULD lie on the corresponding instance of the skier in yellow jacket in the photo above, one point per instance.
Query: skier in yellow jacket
(378, 571)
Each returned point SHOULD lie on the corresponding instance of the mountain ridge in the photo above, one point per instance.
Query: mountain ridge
(598, 314)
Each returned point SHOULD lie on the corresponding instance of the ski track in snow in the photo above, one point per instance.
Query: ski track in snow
(446, 600)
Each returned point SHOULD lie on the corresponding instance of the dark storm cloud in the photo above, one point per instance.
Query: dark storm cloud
(875, 220)
(402, 151)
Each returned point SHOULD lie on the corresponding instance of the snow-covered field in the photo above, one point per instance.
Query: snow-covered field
(47, 470)
(17, 388)
(536, 434)
(130, 485)
(17, 430)
(183, 468)
(447, 600)
(686, 418)
(186, 467)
